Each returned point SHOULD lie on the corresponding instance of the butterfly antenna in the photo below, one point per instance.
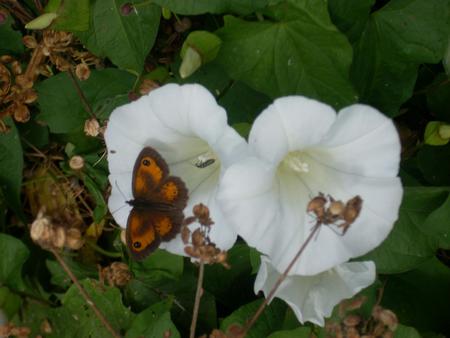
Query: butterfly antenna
(124, 197)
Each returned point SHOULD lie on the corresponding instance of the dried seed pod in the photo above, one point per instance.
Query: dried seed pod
(352, 320)
(201, 211)
(185, 234)
(46, 327)
(21, 112)
(82, 71)
(197, 238)
(16, 68)
(76, 162)
(336, 208)
(147, 86)
(388, 318)
(91, 127)
(352, 209)
(317, 205)
(29, 41)
(59, 237)
(74, 240)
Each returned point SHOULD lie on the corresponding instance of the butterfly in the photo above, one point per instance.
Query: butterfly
(158, 203)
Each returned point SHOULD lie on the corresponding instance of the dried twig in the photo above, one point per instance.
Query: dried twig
(84, 294)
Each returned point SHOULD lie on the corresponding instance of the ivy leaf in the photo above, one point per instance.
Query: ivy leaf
(60, 277)
(298, 52)
(61, 107)
(73, 16)
(11, 166)
(10, 38)
(396, 39)
(195, 7)
(270, 320)
(125, 38)
(409, 244)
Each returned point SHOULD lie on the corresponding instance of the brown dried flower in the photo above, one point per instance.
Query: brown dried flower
(82, 71)
(147, 86)
(76, 162)
(92, 127)
(117, 274)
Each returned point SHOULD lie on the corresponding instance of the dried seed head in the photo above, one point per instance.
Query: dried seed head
(352, 320)
(317, 205)
(91, 127)
(29, 41)
(388, 318)
(59, 237)
(46, 327)
(21, 113)
(117, 274)
(352, 209)
(352, 332)
(201, 211)
(74, 240)
(29, 96)
(24, 81)
(16, 68)
(82, 71)
(41, 228)
(76, 162)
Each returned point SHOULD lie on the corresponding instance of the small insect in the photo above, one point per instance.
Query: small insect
(204, 163)
(328, 211)
(112, 151)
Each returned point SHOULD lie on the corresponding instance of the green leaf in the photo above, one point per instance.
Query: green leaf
(434, 162)
(301, 332)
(9, 302)
(60, 278)
(396, 39)
(125, 39)
(420, 297)
(299, 52)
(270, 320)
(438, 97)
(195, 7)
(160, 260)
(107, 299)
(403, 331)
(243, 103)
(432, 135)
(204, 42)
(11, 40)
(73, 16)
(61, 107)
(437, 225)
(14, 254)
(11, 166)
(408, 245)
(154, 322)
(42, 21)
(350, 16)
(96, 193)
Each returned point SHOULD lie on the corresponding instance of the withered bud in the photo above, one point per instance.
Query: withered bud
(147, 86)
(59, 237)
(16, 67)
(21, 113)
(4, 128)
(61, 63)
(74, 239)
(82, 71)
(352, 332)
(352, 209)
(41, 229)
(24, 81)
(92, 127)
(352, 320)
(29, 41)
(76, 162)
(336, 208)
(46, 327)
(197, 237)
(201, 211)
(317, 204)
(191, 251)
(189, 220)
(183, 25)
(126, 9)
(185, 234)
(6, 58)
(388, 318)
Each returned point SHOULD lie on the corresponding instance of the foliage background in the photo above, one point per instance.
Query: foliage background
(393, 55)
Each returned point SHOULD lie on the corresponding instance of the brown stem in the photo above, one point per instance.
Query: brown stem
(198, 295)
(84, 294)
(37, 58)
(80, 93)
(280, 280)
(18, 10)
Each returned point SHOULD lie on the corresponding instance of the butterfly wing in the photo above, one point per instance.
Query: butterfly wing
(142, 237)
(149, 171)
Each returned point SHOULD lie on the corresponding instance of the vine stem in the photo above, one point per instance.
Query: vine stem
(84, 294)
(280, 280)
(198, 295)
(80, 93)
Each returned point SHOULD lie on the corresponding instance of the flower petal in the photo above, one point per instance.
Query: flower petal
(294, 122)
(362, 141)
(313, 297)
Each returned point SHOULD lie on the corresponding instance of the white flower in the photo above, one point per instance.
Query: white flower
(313, 297)
(301, 147)
(189, 129)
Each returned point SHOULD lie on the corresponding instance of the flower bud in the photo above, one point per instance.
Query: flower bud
(29, 41)
(82, 71)
(21, 113)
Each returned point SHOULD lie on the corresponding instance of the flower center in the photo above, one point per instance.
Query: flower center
(296, 161)
(206, 159)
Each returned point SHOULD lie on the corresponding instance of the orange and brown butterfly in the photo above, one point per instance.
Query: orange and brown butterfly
(158, 203)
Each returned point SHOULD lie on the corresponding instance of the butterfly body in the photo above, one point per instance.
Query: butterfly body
(157, 204)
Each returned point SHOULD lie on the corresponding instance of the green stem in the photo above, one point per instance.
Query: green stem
(103, 251)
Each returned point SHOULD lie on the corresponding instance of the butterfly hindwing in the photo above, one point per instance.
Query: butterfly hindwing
(142, 236)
